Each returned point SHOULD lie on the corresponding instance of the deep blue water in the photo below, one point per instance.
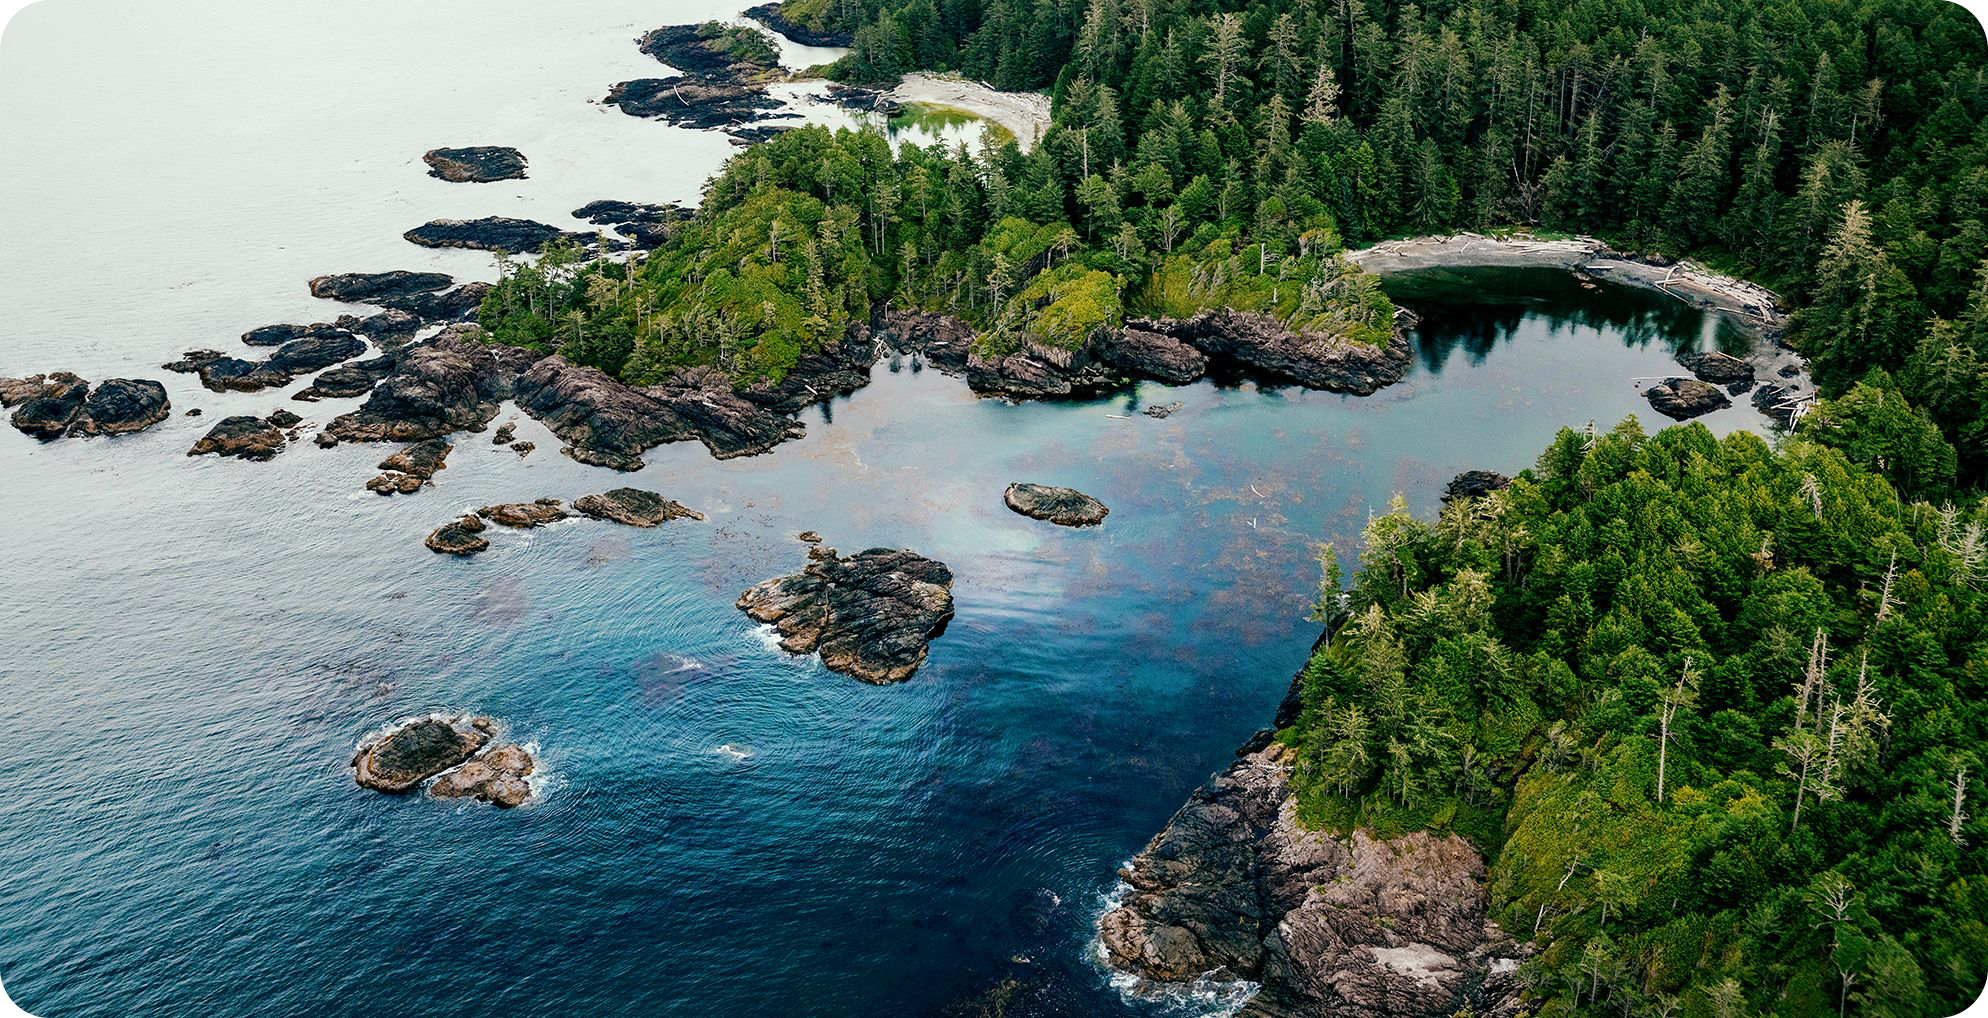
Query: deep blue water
(195, 646)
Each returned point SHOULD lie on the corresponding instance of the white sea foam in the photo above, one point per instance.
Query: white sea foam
(1205, 997)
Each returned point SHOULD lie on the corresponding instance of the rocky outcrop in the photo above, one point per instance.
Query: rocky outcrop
(418, 749)
(453, 382)
(448, 306)
(1234, 888)
(758, 134)
(1146, 354)
(355, 378)
(771, 16)
(242, 437)
(1719, 369)
(1065, 507)
(1163, 411)
(645, 226)
(54, 405)
(525, 515)
(492, 233)
(478, 164)
(460, 537)
(1684, 398)
(407, 470)
(699, 51)
(297, 357)
(871, 615)
(1777, 402)
(277, 335)
(689, 102)
(364, 287)
(496, 776)
(1260, 343)
(634, 507)
(1475, 484)
(391, 329)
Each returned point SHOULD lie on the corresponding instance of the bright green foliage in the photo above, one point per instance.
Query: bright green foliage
(1060, 308)
(1802, 653)
(742, 43)
(1877, 429)
(1316, 292)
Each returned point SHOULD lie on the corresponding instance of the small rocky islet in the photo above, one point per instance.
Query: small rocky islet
(632, 507)
(64, 405)
(871, 615)
(1065, 507)
(476, 164)
(458, 748)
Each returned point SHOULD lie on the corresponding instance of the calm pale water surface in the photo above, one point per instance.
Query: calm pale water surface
(194, 646)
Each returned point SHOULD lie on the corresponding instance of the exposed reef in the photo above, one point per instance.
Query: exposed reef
(407, 470)
(363, 287)
(871, 615)
(477, 164)
(1065, 507)
(62, 404)
(461, 537)
(634, 507)
(690, 102)
(242, 437)
(771, 16)
(492, 233)
(1684, 398)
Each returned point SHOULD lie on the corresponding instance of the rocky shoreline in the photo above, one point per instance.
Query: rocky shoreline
(771, 16)
(871, 615)
(1234, 889)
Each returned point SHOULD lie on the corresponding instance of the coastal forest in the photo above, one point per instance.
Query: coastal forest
(1714, 710)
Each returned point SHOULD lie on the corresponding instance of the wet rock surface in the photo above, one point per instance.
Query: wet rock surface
(1234, 888)
(418, 749)
(453, 382)
(1475, 484)
(241, 437)
(62, 404)
(460, 537)
(1777, 401)
(690, 102)
(277, 335)
(1717, 368)
(634, 507)
(447, 306)
(699, 52)
(1684, 398)
(477, 164)
(355, 378)
(770, 15)
(645, 226)
(410, 468)
(871, 615)
(1260, 343)
(492, 233)
(525, 515)
(1148, 354)
(496, 776)
(364, 287)
(294, 358)
(1065, 507)
(1164, 410)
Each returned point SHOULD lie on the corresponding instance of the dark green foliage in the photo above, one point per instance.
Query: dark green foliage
(1792, 625)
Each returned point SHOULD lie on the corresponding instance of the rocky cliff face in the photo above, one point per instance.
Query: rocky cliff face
(1327, 925)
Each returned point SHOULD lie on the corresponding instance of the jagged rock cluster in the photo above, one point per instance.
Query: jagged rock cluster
(61, 404)
(477, 164)
(1234, 888)
(407, 470)
(871, 615)
(458, 749)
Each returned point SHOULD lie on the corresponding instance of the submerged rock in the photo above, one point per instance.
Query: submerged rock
(1685, 398)
(634, 507)
(417, 750)
(1475, 484)
(477, 164)
(459, 537)
(1234, 886)
(525, 515)
(491, 233)
(242, 437)
(1065, 507)
(1163, 411)
(363, 287)
(871, 615)
(496, 776)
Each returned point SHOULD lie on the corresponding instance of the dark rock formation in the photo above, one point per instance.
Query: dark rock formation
(1147, 354)
(1685, 398)
(1065, 507)
(757, 134)
(355, 378)
(808, 537)
(453, 382)
(363, 287)
(943, 340)
(525, 515)
(448, 306)
(417, 750)
(697, 53)
(689, 102)
(1261, 343)
(277, 335)
(770, 16)
(478, 164)
(391, 329)
(496, 776)
(242, 437)
(407, 470)
(458, 537)
(1475, 484)
(491, 233)
(297, 357)
(523, 449)
(1033, 375)
(1777, 402)
(872, 615)
(1717, 368)
(646, 226)
(283, 418)
(53, 405)
(634, 507)
(504, 434)
(1233, 887)
(1163, 411)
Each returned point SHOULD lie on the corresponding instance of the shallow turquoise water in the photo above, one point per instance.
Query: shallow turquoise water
(197, 645)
